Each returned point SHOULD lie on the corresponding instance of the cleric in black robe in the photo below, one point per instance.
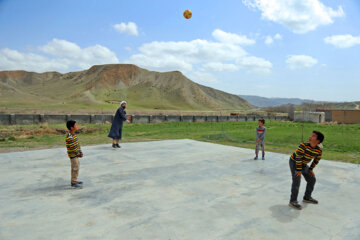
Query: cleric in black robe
(117, 125)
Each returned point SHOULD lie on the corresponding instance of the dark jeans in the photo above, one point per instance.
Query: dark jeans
(296, 181)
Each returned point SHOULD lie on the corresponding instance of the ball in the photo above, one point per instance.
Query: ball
(187, 14)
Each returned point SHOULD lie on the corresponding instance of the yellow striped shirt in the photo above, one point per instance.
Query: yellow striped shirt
(73, 146)
(304, 154)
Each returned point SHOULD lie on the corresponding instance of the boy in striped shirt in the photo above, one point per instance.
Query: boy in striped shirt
(260, 139)
(306, 152)
(74, 152)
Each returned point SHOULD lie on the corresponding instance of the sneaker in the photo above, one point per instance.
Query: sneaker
(79, 182)
(263, 158)
(76, 186)
(256, 158)
(310, 200)
(117, 145)
(114, 145)
(295, 205)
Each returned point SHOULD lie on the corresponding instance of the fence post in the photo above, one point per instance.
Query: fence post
(68, 117)
(42, 118)
(12, 119)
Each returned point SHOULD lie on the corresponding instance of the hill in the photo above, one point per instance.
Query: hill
(103, 85)
(273, 102)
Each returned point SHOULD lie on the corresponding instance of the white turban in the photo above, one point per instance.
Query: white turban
(122, 102)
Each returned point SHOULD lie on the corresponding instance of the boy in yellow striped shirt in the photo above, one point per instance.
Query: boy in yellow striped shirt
(306, 152)
(74, 152)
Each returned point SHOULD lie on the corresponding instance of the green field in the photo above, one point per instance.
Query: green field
(342, 142)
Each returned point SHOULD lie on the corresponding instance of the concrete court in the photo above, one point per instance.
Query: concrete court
(175, 189)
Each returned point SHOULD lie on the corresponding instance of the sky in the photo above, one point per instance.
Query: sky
(306, 49)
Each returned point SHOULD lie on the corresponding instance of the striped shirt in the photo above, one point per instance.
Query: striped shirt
(260, 132)
(73, 146)
(304, 154)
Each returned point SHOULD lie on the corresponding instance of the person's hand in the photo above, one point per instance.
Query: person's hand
(81, 155)
(312, 173)
(258, 140)
(128, 121)
(298, 173)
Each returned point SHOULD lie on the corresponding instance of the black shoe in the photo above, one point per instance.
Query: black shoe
(79, 182)
(310, 200)
(117, 145)
(256, 158)
(114, 145)
(295, 205)
(76, 186)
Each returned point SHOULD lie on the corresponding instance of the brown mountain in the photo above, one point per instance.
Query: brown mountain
(102, 85)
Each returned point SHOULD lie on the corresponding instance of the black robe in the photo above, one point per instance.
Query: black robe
(117, 124)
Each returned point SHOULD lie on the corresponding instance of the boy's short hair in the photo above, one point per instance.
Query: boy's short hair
(262, 120)
(70, 124)
(319, 135)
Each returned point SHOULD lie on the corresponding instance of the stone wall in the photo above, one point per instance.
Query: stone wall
(11, 119)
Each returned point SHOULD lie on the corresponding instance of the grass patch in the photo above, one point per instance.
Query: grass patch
(342, 142)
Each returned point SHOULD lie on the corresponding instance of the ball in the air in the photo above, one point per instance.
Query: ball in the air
(187, 14)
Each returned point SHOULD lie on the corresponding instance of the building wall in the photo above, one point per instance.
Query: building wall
(315, 117)
(346, 116)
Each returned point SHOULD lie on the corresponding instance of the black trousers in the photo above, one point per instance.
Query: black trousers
(296, 181)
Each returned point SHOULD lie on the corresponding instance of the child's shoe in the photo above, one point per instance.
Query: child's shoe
(310, 200)
(114, 145)
(79, 182)
(256, 158)
(295, 205)
(76, 186)
(263, 158)
(117, 145)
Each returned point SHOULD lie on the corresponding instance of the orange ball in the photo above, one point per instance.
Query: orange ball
(187, 14)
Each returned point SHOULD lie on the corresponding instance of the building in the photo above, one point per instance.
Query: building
(342, 116)
(306, 116)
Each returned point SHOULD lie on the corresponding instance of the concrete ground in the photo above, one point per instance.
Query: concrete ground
(176, 189)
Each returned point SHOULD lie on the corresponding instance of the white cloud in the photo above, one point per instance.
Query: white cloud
(343, 41)
(233, 38)
(300, 16)
(277, 36)
(15, 60)
(255, 64)
(220, 67)
(61, 48)
(203, 77)
(60, 55)
(269, 40)
(129, 28)
(183, 55)
(300, 61)
(197, 55)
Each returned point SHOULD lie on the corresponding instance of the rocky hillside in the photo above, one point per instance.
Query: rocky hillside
(101, 86)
